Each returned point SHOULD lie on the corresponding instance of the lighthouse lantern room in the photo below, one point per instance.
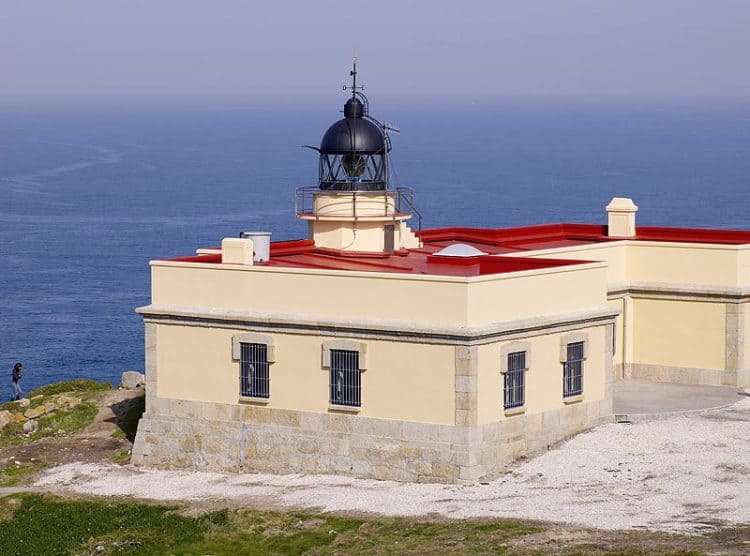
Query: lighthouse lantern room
(353, 207)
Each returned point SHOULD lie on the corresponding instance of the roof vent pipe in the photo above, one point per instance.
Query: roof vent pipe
(261, 245)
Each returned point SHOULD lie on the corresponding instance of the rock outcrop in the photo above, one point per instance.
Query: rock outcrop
(132, 379)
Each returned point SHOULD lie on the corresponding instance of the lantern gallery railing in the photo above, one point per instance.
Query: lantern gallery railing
(314, 202)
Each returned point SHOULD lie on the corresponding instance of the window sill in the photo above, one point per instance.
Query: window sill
(511, 411)
(260, 401)
(344, 408)
(573, 399)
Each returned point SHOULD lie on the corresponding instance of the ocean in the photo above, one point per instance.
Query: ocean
(91, 191)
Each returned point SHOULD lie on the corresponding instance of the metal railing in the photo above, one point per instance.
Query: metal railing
(405, 200)
(395, 201)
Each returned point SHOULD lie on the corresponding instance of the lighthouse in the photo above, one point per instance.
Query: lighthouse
(354, 207)
(439, 355)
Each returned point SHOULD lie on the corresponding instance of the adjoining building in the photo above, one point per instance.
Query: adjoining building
(375, 350)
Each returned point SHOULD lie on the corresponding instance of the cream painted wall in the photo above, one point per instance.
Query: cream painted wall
(394, 297)
(670, 332)
(525, 295)
(621, 345)
(369, 236)
(354, 204)
(679, 333)
(388, 296)
(651, 261)
(544, 386)
(613, 253)
(717, 265)
(413, 382)
(743, 267)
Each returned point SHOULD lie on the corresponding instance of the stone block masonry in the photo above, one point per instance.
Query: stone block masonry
(246, 438)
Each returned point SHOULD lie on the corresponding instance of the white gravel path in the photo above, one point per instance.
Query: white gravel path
(688, 474)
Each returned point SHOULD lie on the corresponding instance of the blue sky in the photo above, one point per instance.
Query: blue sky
(595, 48)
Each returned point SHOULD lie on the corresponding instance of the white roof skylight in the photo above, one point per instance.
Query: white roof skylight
(459, 250)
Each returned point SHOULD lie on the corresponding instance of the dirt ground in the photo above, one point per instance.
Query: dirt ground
(98, 442)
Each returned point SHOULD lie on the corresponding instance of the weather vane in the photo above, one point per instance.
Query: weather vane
(354, 87)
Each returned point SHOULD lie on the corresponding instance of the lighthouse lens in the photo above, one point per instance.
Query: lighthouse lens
(354, 165)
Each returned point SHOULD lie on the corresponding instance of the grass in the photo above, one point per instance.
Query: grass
(59, 423)
(40, 524)
(48, 525)
(35, 524)
(76, 386)
(122, 457)
(67, 423)
(13, 475)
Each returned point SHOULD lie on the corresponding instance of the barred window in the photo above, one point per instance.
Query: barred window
(573, 370)
(345, 383)
(513, 380)
(254, 377)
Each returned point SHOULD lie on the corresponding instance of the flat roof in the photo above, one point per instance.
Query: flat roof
(493, 241)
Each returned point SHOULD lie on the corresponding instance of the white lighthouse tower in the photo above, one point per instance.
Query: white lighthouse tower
(353, 207)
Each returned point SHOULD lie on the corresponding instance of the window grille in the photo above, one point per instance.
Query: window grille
(346, 384)
(254, 378)
(573, 370)
(513, 382)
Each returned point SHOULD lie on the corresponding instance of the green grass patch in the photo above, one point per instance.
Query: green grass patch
(122, 457)
(13, 475)
(67, 423)
(48, 525)
(403, 536)
(12, 406)
(76, 386)
(59, 423)
(81, 387)
(36, 524)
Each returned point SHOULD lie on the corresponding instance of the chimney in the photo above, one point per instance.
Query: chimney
(621, 217)
(235, 250)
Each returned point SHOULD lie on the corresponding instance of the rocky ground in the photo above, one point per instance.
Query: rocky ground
(107, 438)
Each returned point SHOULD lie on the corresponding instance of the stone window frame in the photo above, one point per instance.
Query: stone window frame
(325, 363)
(255, 338)
(572, 338)
(507, 349)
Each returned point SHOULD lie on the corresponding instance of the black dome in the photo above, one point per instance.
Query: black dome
(353, 133)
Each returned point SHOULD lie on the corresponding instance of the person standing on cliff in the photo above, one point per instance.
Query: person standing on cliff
(17, 392)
